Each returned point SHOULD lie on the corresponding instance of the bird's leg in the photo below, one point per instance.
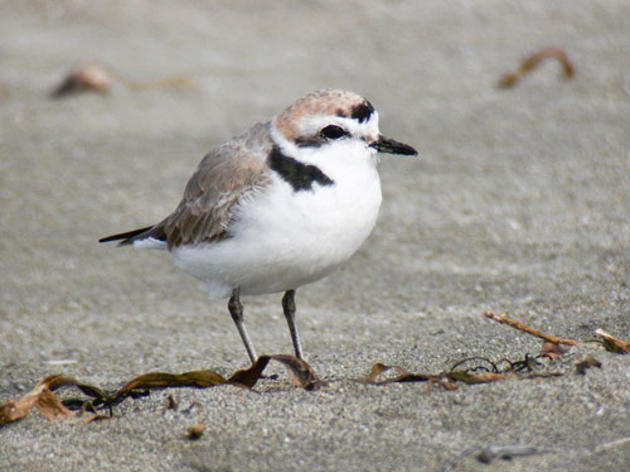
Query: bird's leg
(236, 310)
(288, 306)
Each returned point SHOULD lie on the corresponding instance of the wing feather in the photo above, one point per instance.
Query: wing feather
(226, 174)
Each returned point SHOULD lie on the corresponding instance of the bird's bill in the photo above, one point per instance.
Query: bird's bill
(392, 146)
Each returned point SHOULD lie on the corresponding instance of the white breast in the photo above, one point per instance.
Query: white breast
(283, 239)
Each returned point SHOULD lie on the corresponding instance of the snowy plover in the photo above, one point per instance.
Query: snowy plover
(280, 206)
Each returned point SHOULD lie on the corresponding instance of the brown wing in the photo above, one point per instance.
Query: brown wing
(223, 177)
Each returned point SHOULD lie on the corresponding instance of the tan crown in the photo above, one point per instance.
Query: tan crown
(319, 102)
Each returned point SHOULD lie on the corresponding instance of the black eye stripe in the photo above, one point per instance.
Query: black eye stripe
(333, 132)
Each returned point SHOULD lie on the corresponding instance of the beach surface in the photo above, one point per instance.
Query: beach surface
(519, 202)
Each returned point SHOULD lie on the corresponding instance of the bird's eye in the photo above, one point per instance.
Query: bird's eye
(333, 132)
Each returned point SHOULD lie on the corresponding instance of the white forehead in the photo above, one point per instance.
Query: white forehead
(309, 125)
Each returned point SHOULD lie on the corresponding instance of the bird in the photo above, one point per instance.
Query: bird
(279, 206)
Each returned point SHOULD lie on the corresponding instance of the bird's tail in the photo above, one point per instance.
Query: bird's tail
(154, 233)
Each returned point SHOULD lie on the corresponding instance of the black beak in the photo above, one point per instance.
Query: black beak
(391, 146)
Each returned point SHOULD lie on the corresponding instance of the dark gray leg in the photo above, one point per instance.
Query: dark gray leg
(288, 305)
(236, 310)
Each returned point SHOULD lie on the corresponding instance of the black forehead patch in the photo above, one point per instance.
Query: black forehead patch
(362, 111)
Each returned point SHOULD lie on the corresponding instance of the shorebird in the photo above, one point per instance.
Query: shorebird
(279, 206)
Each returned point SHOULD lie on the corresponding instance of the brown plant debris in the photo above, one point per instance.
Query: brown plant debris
(552, 350)
(196, 378)
(490, 453)
(503, 318)
(195, 431)
(481, 371)
(95, 77)
(248, 377)
(171, 403)
(303, 374)
(532, 61)
(612, 343)
(471, 379)
(44, 400)
(612, 444)
(181, 81)
(404, 376)
(91, 76)
(481, 364)
(47, 403)
(587, 363)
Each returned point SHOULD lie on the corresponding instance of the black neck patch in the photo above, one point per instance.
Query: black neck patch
(299, 176)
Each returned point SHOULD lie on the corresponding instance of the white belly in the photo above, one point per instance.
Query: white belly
(283, 239)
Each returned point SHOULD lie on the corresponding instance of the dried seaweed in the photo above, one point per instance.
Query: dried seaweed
(532, 61)
(587, 363)
(471, 370)
(551, 348)
(483, 370)
(612, 343)
(503, 318)
(89, 77)
(44, 400)
(96, 77)
(490, 453)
